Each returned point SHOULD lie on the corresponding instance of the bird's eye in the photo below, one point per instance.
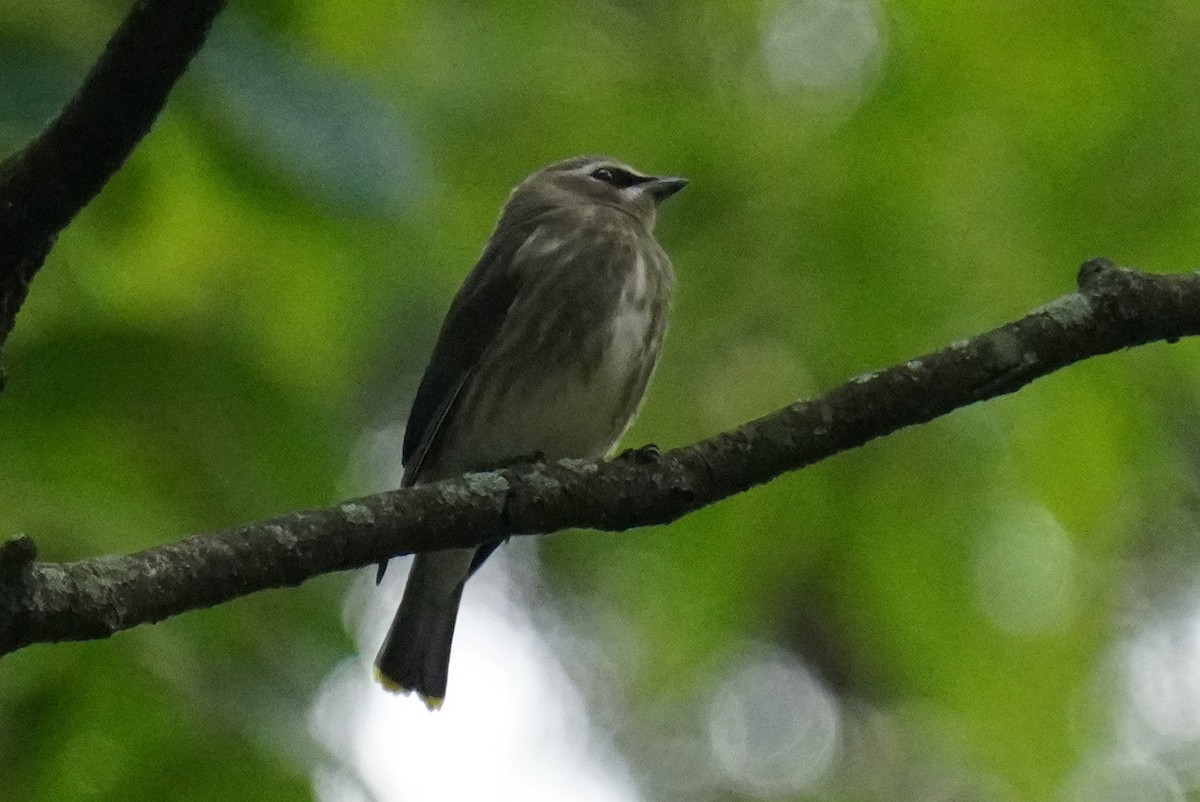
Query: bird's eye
(617, 177)
(604, 174)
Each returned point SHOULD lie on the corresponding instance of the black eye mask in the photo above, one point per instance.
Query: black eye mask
(617, 177)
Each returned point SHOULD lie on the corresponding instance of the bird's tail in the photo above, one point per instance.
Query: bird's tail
(416, 653)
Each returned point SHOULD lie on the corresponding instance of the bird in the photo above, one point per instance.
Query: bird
(545, 353)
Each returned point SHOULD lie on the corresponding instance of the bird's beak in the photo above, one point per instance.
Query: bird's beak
(662, 187)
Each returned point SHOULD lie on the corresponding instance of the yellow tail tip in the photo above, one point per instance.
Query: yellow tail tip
(391, 686)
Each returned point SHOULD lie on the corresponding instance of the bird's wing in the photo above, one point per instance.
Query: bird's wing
(472, 323)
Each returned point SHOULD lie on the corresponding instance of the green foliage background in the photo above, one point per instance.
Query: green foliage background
(263, 280)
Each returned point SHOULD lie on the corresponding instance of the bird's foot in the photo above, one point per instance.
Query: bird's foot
(648, 454)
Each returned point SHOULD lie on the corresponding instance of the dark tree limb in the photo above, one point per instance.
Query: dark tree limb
(44, 186)
(1115, 308)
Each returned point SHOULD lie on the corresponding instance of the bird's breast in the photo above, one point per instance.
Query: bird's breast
(569, 369)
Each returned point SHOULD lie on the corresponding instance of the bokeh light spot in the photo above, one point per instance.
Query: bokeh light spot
(827, 45)
(773, 728)
(1026, 573)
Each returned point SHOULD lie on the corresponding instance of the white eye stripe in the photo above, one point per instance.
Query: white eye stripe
(591, 167)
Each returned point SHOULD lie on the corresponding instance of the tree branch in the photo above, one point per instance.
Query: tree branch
(44, 186)
(1114, 308)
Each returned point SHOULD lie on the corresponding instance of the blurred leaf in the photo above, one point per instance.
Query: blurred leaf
(324, 131)
(37, 79)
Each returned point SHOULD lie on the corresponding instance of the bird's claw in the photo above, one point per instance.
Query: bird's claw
(648, 454)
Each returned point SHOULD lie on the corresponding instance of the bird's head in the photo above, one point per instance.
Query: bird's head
(595, 181)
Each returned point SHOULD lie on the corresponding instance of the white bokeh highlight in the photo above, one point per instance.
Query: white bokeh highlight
(824, 45)
(774, 729)
(513, 725)
(1147, 691)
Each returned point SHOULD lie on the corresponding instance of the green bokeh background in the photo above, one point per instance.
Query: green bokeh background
(261, 283)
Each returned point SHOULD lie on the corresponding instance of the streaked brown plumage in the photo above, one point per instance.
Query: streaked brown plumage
(547, 349)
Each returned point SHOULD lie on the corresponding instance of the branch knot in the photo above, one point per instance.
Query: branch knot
(1094, 273)
(17, 554)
